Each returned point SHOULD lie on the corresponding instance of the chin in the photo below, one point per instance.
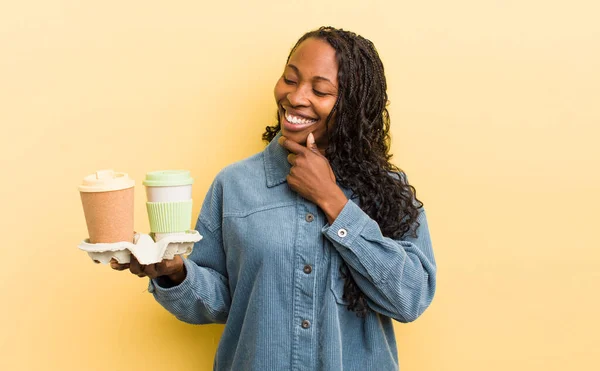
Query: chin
(297, 137)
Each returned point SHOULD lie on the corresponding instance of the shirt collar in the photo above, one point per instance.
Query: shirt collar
(277, 167)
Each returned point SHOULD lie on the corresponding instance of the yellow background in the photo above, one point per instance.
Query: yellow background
(495, 118)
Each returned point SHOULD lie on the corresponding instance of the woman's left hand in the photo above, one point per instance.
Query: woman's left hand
(312, 177)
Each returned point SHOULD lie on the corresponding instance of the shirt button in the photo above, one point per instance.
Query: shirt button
(342, 233)
(307, 269)
(305, 324)
(309, 217)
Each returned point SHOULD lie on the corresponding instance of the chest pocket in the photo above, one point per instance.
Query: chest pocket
(337, 280)
(263, 237)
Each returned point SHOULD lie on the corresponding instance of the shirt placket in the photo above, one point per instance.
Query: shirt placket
(305, 273)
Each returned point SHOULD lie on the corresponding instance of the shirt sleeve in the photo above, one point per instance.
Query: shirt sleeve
(203, 296)
(398, 277)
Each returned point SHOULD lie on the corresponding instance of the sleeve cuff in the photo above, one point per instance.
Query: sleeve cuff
(348, 225)
(176, 292)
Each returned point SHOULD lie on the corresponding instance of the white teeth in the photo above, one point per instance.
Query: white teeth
(298, 120)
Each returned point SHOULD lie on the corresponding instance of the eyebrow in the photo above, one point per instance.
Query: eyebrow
(321, 78)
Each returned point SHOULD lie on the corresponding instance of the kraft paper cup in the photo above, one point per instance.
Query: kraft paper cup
(169, 205)
(107, 199)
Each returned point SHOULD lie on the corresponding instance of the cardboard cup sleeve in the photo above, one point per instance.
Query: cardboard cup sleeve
(109, 215)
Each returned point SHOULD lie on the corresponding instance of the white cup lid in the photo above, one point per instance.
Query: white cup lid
(105, 181)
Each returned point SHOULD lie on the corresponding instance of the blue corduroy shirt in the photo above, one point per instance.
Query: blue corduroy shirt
(268, 268)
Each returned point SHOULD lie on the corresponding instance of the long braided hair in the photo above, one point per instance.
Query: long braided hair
(358, 148)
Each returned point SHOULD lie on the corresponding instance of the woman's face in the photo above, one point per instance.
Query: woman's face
(307, 91)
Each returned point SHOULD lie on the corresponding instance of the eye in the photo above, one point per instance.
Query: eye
(289, 82)
(318, 93)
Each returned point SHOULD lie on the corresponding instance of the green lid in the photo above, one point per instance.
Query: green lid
(168, 178)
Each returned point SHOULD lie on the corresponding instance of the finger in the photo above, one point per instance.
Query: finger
(151, 271)
(292, 159)
(142, 271)
(292, 146)
(114, 264)
(311, 144)
(134, 266)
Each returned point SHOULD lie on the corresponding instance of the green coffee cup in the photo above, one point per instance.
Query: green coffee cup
(169, 205)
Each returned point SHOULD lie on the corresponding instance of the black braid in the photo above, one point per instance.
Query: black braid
(358, 148)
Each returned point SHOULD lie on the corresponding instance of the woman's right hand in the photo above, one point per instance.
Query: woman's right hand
(174, 269)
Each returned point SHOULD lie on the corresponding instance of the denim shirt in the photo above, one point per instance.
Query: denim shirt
(268, 268)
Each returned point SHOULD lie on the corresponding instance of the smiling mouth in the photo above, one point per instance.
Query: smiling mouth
(297, 120)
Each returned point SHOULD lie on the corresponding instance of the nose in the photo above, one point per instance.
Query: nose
(298, 97)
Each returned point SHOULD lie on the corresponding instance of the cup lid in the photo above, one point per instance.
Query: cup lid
(168, 178)
(106, 180)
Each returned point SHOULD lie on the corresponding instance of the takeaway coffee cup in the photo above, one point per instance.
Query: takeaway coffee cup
(169, 205)
(107, 198)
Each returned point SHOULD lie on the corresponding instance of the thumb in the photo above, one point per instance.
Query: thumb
(310, 143)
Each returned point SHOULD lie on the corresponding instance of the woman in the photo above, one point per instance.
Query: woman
(303, 277)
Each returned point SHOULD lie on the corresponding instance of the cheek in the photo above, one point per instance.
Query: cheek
(279, 91)
(325, 110)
